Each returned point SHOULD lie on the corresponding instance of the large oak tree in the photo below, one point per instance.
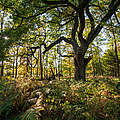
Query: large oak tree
(69, 13)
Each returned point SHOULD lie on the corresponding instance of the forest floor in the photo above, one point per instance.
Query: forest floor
(29, 99)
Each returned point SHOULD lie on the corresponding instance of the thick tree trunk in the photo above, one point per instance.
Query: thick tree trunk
(80, 66)
(80, 73)
(80, 69)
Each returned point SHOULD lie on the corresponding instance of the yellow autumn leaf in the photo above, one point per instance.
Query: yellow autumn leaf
(118, 14)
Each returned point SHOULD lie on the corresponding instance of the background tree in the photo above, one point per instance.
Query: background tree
(109, 63)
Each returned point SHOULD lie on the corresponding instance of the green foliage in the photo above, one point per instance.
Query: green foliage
(29, 115)
(6, 91)
(90, 100)
(109, 63)
(98, 98)
(11, 100)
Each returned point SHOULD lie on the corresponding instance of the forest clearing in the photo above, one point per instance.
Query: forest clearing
(59, 59)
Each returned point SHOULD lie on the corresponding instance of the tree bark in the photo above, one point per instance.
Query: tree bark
(14, 65)
(37, 65)
(69, 70)
(80, 69)
(13, 69)
(41, 66)
(31, 67)
(93, 66)
(116, 57)
(116, 52)
(2, 68)
(16, 72)
(27, 66)
(100, 67)
(80, 63)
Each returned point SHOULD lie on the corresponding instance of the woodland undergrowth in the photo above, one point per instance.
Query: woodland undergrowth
(31, 99)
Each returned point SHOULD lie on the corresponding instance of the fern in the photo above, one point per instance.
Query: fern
(7, 106)
(30, 115)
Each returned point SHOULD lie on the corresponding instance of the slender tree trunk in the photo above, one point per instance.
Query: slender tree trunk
(100, 66)
(61, 69)
(45, 63)
(41, 66)
(27, 62)
(37, 65)
(16, 72)
(13, 68)
(31, 67)
(2, 69)
(2, 66)
(52, 73)
(117, 74)
(117, 61)
(93, 65)
(69, 70)
(55, 64)
(59, 62)
(116, 56)
(33, 71)
(14, 65)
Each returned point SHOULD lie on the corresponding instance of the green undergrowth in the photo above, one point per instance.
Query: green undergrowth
(27, 99)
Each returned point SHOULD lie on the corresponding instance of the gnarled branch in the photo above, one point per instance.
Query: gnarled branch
(90, 17)
(57, 42)
(116, 18)
(66, 55)
(40, 13)
(87, 60)
(61, 2)
(93, 5)
(111, 11)
(82, 22)
(81, 28)
(74, 30)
